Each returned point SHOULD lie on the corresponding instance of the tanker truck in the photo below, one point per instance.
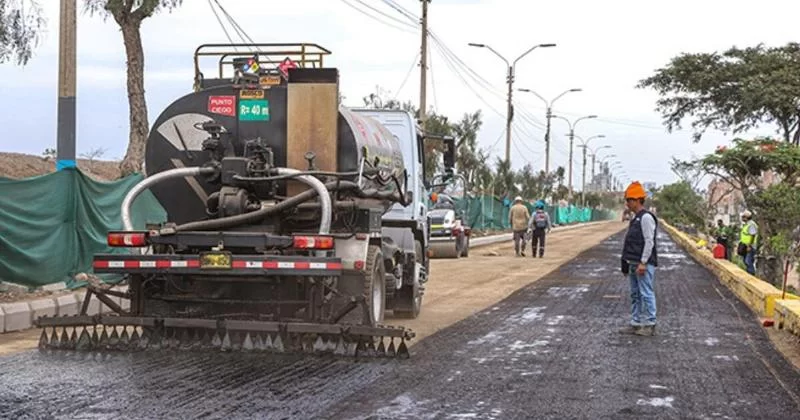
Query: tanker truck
(294, 223)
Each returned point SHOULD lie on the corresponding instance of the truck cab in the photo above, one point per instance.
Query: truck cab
(407, 226)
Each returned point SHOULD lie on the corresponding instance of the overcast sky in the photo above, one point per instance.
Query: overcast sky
(603, 48)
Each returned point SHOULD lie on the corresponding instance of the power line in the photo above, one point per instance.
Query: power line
(382, 13)
(463, 80)
(239, 30)
(225, 30)
(408, 74)
(433, 81)
(378, 19)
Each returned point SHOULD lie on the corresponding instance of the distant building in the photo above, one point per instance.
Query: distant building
(727, 201)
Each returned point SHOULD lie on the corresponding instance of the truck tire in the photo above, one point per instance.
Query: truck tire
(375, 284)
(408, 300)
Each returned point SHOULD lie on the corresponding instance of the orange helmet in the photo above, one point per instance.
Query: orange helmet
(635, 191)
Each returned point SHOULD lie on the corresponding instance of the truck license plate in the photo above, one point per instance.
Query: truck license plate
(215, 260)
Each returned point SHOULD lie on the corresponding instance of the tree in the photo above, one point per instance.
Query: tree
(129, 15)
(744, 166)
(470, 160)
(21, 23)
(733, 91)
(680, 204)
(504, 179)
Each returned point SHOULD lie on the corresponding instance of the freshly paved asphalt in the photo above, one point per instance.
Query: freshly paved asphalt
(551, 350)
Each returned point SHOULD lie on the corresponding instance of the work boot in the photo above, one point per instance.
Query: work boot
(630, 329)
(647, 331)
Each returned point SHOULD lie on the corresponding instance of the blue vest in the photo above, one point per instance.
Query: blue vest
(634, 240)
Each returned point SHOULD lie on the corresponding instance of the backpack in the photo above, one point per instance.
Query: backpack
(540, 220)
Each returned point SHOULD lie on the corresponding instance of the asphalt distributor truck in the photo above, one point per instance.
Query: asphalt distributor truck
(293, 224)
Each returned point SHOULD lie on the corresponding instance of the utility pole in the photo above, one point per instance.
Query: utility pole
(509, 112)
(583, 182)
(65, 134)
(571, 140)
(547, 141)
(423, 64)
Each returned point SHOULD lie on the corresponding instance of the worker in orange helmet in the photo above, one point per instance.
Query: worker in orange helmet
(639, 260)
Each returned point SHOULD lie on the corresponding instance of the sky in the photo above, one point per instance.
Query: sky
(604, 48)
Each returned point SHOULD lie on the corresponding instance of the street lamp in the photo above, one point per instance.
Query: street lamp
(549, 115)
(510, 82)
(594, 155)
(571, 140)
(585, 145)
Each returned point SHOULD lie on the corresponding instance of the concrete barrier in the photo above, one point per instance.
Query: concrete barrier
(17, 316)
(2, 321)
(43, 307)
(67, 305)
(760, 296)
(787, 315)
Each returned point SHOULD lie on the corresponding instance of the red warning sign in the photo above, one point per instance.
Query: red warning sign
(222, 105)
(285, 65)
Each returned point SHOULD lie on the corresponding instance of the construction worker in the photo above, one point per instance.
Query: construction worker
(518, 218)
(639, 261)
(539, 226)
(722, 235)
(748, 241)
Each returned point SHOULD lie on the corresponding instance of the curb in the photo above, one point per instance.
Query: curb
(761, 297)
(19, 316)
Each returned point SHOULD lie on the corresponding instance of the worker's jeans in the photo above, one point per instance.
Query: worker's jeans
(519, 240)
(643, 296)
(750, 261)
(537, 242)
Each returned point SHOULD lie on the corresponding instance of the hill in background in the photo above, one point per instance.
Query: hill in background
(19, 166)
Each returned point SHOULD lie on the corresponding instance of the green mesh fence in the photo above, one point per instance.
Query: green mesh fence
(491, 213)
(52, 225)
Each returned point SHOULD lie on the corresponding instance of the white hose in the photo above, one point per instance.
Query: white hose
(150, 181)
(322, 192)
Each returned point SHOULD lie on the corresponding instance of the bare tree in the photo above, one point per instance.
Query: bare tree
(129, 15)
(93, 154)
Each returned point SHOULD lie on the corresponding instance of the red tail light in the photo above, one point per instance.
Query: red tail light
(313, 242)
(127, 239)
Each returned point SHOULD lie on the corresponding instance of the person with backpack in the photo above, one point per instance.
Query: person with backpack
(539, 226)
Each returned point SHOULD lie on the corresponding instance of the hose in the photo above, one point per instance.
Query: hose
(258, 215)
(255, 216)
(322, 192)
(152, 180)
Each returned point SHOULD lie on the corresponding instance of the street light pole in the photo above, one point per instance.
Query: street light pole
(510, 81)
(585, 145)
(572, 126)
(549, 115)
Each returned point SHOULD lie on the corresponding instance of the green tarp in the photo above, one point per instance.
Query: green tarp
(487, 212)
(52, 225)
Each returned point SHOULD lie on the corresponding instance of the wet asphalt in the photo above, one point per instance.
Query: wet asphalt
(551, 350)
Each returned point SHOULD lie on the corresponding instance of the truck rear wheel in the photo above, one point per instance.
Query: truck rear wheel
(375, 284)
(408, 300)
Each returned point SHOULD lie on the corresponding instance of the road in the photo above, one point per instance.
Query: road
(549, 350)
